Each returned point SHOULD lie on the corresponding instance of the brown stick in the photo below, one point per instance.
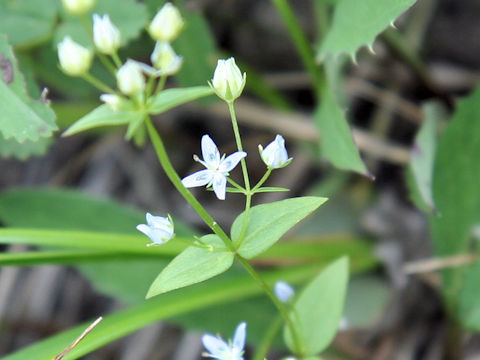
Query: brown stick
(434, 264)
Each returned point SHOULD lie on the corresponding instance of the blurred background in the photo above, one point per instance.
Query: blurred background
(390, 314)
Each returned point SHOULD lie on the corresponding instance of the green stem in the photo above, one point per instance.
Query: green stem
(298, 344)
(272, 331)
(97, 83)
(116, 60)
(177, 182)
(262, 180)
(161, 84)
(235, 184)
(300, 41)
(107, 63)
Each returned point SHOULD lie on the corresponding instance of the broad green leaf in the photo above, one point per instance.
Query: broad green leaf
(456, 191)
(21, 118)
(318, 309)
(103, 116)
(469, 302)
(115, 326)
(26, 23)
(268, 222)
(196, 45)
(171, 98)
(129, 16)
(423, 155)
(336, 138)
(356, 23)
(192, 266)
(22, 151)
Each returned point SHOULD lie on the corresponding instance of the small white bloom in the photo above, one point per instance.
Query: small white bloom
(75, 59)
(219, 349)
(113, 101)
(275, 155)
(130, 79)
(106, 36)
(283, 291)
(167, 24)
(78, 7)
(165, 59)
(228, 81)
(159, 229)
(217, 168)
(343, 325)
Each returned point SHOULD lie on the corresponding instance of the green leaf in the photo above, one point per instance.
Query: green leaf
(104, 116)
(318, 309)
(271, 189)
(423, 155)
(357, 23)
(456, 191)
(171, 98)
(336, 138)
(129, 16)
(26, 23)
(469, 303)
(192, 266)
(21, 118)
(22, 151)
(268, 222)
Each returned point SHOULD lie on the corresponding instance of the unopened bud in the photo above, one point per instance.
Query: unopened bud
(275, 154)
(130, 78)
(167, 24)
(75, 60)
(113, 101)
(78, 7)
(106, 36)
(165, 59)
(228, 81)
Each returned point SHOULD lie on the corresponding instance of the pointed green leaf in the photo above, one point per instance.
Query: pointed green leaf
(103, 116)
(192, 266)
(319, 308)
(356, 23)
(21, 118)
(336, 138)
(12, 148)
(268, 222)
(171, 98)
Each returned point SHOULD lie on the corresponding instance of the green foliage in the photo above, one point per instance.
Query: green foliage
(171, 98)
(22, 151)
(336, 138)
(318, 309)
(357, 23)
(22, 118)
(268, 222)
(25, 23)
(469, 302)
(192, 266)
(456, 191)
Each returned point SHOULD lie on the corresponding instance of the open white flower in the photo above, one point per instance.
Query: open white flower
(217, 168)
(275, 154)
(283, 291)
(106, 36)
(219, 349)
(159, 229)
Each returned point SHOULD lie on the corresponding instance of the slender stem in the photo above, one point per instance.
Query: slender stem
(266, 342)
(300, 41)
(107, 63)
(278, 304)
(177, 182)
(116, 60)
(149, 87)
(98, 83)
(161, 84)
(235, 184)
(246, 214)
(262, 180)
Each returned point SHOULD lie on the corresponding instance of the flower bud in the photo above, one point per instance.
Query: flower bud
(113, 101)
(78, 7)
(159, 229)
(130, 79)
(106, 36)
(75, 59)
(275, 155)
(167, 24)
(228, 81)
(283, 291)
(165, 59)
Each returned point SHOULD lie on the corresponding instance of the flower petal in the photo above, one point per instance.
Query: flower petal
(215, 346)
(231, 161)
(239, 337)
(200, 178)
(219, 185)
(210, 152)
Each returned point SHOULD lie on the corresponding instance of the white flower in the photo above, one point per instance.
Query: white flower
(78, 7)
(106, 36)
(130, 79)
(75, 60)
(217, 168)
(228, 81)
(167, 24)
(113, 101)
(165, 59)
(159, 229)
(283, 291)
(275, 155)
(219, 349)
